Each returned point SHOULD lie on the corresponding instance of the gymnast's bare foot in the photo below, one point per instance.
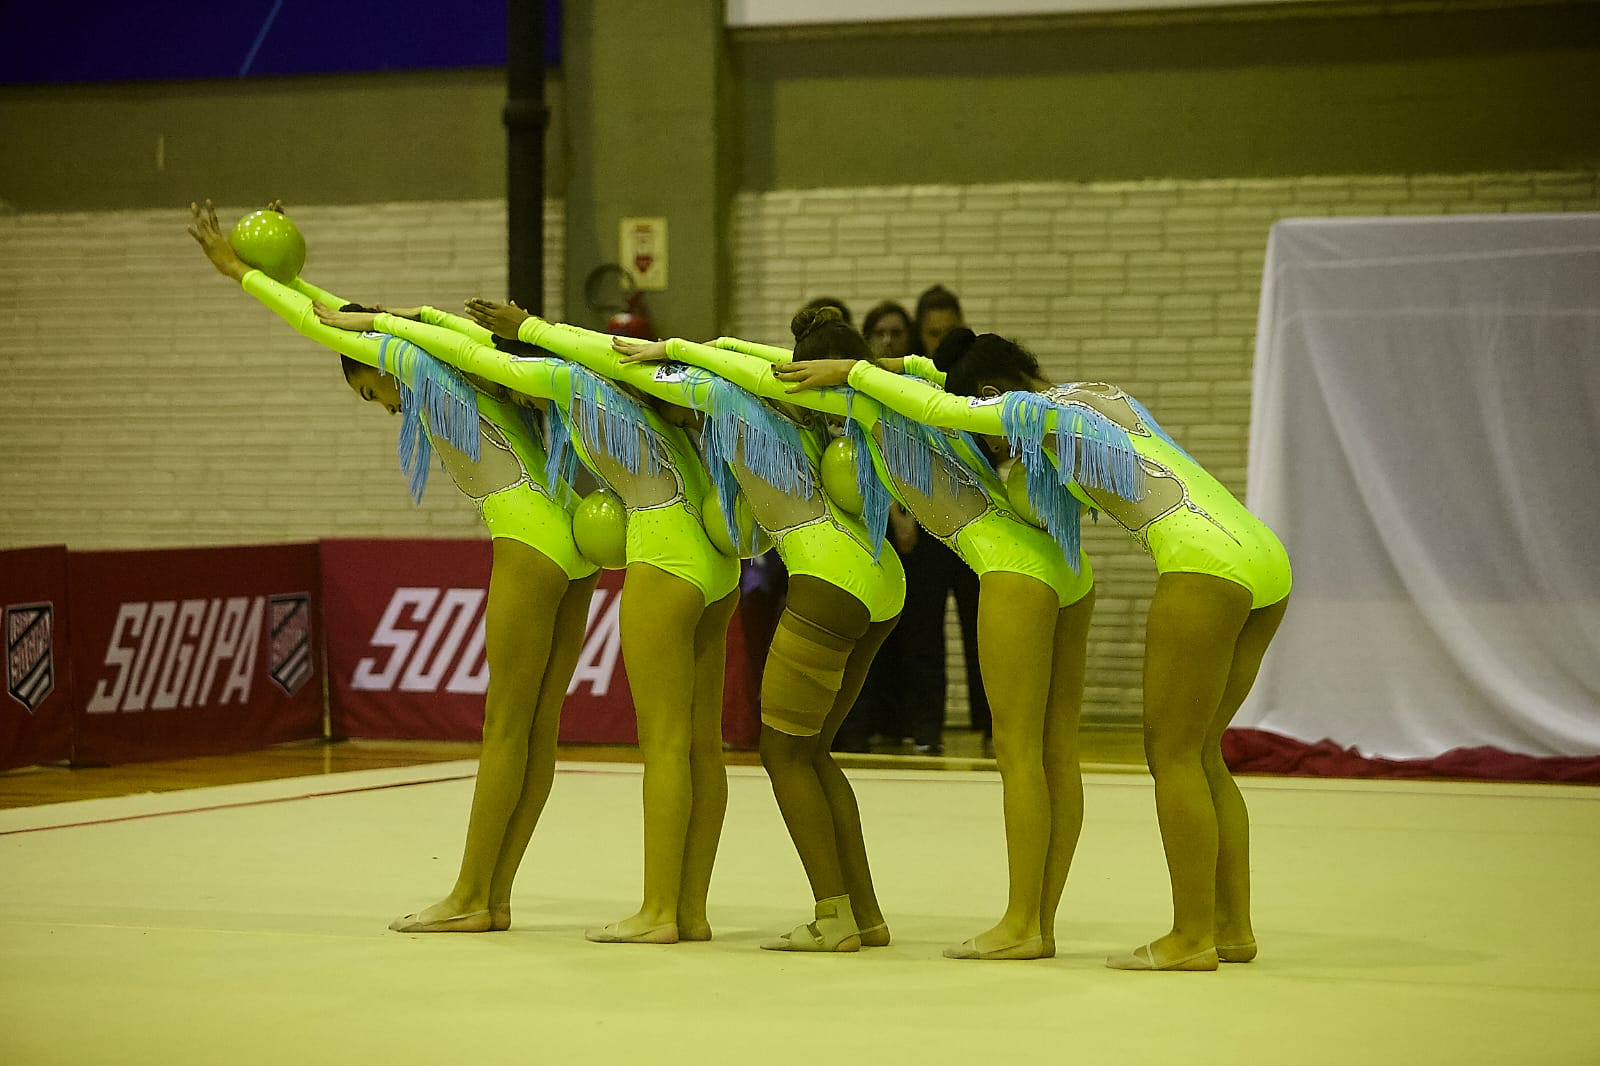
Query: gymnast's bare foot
(999, 943)
(446, 916)
(874, 929)
(693, 926)
(1236, 941)
(1242, 952)
(638, 929)
(1167, 953)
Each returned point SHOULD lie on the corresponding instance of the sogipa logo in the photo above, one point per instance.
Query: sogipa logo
(432, 639)
(171, 653)
(30, 660)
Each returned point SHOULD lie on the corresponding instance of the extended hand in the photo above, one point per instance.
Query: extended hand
(813, 373)
(207, 233)
(500, 319)
(633, 351)
(355, 321)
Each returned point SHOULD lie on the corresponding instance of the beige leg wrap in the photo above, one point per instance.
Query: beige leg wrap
(805, 669)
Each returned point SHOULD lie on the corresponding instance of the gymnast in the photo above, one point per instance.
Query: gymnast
(539, 585)
(842, 603)
(1027, 586)
(1221, 591)
(677, 599)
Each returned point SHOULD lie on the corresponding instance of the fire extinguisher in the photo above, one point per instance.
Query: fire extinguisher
(611, 291)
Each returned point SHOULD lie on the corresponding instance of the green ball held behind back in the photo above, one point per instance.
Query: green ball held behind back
(600, 528)
(268, 241)
(839, 475)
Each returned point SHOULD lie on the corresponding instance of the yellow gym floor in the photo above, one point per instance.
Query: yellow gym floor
(1400, 922)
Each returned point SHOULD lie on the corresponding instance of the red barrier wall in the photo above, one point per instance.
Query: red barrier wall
(405, 649)
(36, 710)
(195, 652)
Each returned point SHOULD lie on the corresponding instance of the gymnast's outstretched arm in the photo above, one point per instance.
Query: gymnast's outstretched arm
(754, 374)
(770, 352)
(917, 400)
(543, 378)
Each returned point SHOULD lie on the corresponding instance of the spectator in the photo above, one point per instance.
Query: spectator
(888, 330)
(902, 701)
(938, 312)
(933, 572)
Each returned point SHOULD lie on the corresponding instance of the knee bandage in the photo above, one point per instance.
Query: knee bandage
(804, 672)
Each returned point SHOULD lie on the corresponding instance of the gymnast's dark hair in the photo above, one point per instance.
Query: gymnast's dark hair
(820, 333)
(347, 364)
(990, 359)
(817, 303)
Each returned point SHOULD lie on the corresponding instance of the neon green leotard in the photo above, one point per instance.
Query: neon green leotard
(663, 489)
(1184, 517)
(508, 480)
(966, 507)
(811, 535)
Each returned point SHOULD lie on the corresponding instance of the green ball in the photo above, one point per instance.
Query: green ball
(749, 533)
(268, 241)
(600, 527)
(839, 475)
(1017, 491)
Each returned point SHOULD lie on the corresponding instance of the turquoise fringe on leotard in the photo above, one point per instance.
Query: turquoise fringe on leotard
(1151, 424)
(875, 498)
(451, 403)
(612, 415)
(741, 428)
(1090, 449)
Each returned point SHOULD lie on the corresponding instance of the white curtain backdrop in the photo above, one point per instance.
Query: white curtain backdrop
(1425, 437)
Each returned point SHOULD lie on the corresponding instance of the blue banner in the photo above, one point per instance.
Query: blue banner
(192, 39)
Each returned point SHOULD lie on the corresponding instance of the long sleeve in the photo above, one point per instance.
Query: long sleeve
(544, 378)
(321, 296)
(925, 403)
(464, 326)
(295, 308)
(593, 351)
(924, 368)
(771, 353)
(754, 374)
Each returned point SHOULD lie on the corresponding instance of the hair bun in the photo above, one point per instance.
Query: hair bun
(810, 318)
(956, 344)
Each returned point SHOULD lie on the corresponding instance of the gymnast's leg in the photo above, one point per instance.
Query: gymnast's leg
(848, 836)
(1236, 939)
(1194, 625)
(805, 670)
(1062, 770)
(1017, 617)
(525, 594)
(707, 773)
(659, 617)
(571, 622)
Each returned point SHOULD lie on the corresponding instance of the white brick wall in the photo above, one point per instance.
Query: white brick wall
(1153, 285)
(148, 402)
